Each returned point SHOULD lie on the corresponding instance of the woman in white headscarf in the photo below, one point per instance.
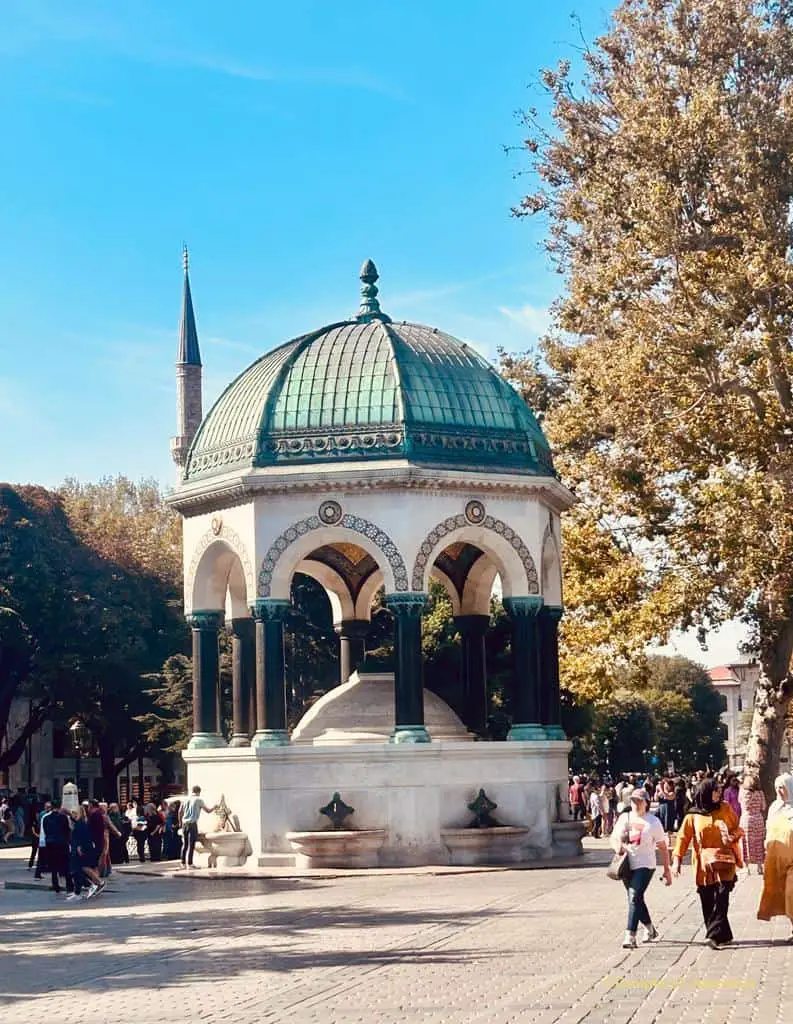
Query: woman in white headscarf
(777, 898)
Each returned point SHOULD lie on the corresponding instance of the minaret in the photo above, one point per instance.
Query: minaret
(188, 377)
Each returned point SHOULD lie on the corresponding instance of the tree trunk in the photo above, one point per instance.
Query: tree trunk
(772, 696)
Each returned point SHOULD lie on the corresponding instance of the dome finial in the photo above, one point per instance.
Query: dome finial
(370, 307)
(185, 256)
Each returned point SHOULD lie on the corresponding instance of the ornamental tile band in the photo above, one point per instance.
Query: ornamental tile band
(452, 523)
(355, 523)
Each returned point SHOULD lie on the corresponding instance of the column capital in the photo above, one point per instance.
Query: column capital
(409, 604)
(520, 607)
(353, 629)
(475, 625)
(205, 619)
(271, 609)
(553, 612)
(240, 624)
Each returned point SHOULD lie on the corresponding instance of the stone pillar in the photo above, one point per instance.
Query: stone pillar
(243, 670)
(270, 675)
(525, 668)
(408, 668)
(206, 672)
(352, 645)
(550, 702)
(472, 630)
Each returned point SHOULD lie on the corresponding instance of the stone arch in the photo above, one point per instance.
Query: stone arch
(551, 569)
(306, 534)
(498, 540)
(220, 566)
(363, 602)
(341, 601)
(478, 587)
(448, 586)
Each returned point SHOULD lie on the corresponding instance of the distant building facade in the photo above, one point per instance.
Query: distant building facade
(50, 760)
(736, 683)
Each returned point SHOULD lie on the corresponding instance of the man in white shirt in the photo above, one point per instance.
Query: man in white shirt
(189, 813)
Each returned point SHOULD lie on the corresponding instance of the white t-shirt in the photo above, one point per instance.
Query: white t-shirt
(644, 834)
(193, 806)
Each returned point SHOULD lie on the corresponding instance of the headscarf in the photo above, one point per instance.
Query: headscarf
(703, 798)
(785, 783)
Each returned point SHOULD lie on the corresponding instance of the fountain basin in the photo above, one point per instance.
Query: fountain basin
(502, 844)
(338, 848)
(223, 849)
(566, 838)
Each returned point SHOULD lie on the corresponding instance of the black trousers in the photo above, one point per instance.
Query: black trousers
(140, 839)
(58, 864)
(189, 836)
(34, 851)
(715, 900)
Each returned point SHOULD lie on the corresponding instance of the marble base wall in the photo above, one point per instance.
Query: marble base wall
(412, 792)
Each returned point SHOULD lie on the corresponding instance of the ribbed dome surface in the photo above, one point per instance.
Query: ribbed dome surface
(370, 390)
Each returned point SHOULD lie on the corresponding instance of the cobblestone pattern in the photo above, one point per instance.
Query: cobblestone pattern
(535, 947)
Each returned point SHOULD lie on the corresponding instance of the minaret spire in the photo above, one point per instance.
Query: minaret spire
(188, 375)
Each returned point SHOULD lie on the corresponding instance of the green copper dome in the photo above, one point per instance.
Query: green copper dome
(371, 389)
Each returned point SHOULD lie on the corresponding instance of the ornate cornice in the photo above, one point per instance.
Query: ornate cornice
(209, 495)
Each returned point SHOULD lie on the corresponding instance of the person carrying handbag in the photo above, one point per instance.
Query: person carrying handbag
(711, 829)
(637, 834)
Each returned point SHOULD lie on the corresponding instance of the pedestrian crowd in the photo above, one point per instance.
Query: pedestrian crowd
(721, 819)
(80, 847)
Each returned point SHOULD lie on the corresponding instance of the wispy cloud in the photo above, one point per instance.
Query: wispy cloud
(26, 25)
(534, 319)
(345, 77)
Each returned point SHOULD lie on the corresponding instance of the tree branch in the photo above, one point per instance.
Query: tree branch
(12, 753)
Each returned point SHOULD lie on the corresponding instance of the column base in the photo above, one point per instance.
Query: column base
(206, 741)
(269, 738)
(555, 732)
(410, 734)
(527, 732)
(240, 739)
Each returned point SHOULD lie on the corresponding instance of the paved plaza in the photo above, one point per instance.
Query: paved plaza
(530, 946)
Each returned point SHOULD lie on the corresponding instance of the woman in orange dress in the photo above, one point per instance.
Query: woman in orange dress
(711, 829)
(777, 898)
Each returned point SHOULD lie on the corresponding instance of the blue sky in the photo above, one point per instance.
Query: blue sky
(284, 143)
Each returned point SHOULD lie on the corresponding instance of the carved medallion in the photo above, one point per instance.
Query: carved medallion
(330, 512)
(475, 512)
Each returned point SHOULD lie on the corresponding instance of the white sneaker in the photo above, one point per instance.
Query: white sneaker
(649, 933)
(92, 891)
(629, 942)
(73, 896)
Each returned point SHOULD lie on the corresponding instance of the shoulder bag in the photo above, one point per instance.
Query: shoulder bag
(620, 867)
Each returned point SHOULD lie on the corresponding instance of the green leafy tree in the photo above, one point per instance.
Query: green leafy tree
(665, 176)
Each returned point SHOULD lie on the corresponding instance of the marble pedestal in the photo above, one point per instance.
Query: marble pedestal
(412, 792)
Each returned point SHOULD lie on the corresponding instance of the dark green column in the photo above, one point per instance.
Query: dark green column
(243, 670)
(352, 646)
(550, 701)
(206, 673)
(408, 668)
(270, 676)
(474, 672)
(526, 723)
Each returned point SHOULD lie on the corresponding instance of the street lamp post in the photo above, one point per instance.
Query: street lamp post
(607, 745)
(79, 737)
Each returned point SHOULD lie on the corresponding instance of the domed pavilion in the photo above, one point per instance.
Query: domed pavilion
(370, 454)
